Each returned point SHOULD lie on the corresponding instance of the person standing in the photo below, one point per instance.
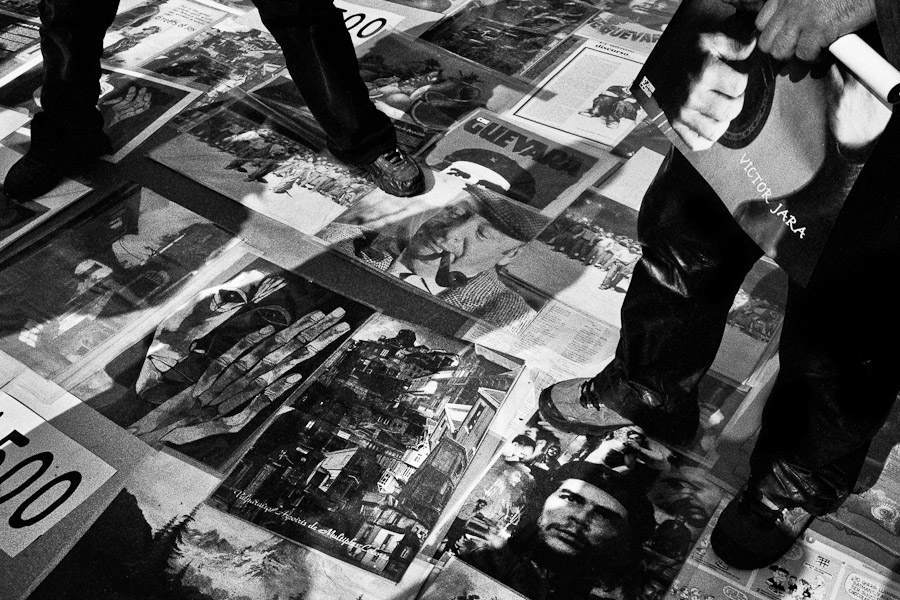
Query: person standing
(67, 136)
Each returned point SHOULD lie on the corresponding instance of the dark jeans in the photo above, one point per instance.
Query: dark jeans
(840, 364)
(317, 49)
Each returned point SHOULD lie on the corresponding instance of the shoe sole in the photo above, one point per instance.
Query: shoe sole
(551, 414)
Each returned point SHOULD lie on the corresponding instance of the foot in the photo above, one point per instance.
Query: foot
(397, 173)
(753, 532)
(31, 177)
(607, 402)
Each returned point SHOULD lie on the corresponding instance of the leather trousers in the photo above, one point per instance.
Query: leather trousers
(317, 49)
(839, 353)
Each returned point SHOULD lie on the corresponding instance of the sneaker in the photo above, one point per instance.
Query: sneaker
(753, 532)
(607, 402)
(397, 173)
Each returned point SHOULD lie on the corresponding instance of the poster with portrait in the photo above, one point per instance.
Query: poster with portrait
(243, 154)
(134, 105)
(509, 36)
(173, 22)
(452, 244)
(67, 296)
(489, 151)
(634, 25)
(216, 367)
(613, 515)
(586, 97)
(363, 462)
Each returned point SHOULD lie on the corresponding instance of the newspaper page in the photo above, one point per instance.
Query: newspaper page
(451, 243)
(134, 105)
(17, 36)
(519, 508)
(487, 150)
(26, 9)
(814, 568)
(585, 98)
(242, 154)
(176, 20)
(780, 168)
(509, 37)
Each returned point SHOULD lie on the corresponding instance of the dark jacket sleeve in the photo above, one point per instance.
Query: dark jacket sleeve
(887, 15)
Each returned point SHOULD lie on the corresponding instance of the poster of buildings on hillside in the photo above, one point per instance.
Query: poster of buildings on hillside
(489, 151)
(67, 296)
(509, 36)
(363, 462)
(586, 97)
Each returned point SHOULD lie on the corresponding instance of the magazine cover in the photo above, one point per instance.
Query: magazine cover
(215, 368)
(23, 8)
(586, 97)
(18, 219)
(423, 89)
(173, 22)
(65, 297)
(509, 36)
(134, 105)
(487, 150)
(608, 516)
(780, 167)
(362, 464)
(242, 154)
(451, 244)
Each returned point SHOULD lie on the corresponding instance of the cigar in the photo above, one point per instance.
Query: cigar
(869, 67)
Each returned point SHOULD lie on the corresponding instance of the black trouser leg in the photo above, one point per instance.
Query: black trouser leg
(694, 260)
(71, 43)
(321, 60)
(840, 354)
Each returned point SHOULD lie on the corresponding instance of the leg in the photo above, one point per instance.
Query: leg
(67, 135)
(320, 57)
(673, 317)
(838, 377)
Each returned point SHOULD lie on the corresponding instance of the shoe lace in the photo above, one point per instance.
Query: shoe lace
(395, 157)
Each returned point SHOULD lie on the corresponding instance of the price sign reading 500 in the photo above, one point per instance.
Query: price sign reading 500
(364, 22)
(44, 475)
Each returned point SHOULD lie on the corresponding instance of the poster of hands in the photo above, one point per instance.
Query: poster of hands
(133, 105)
(219, 366)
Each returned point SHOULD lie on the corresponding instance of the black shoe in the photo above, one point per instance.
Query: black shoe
(752, 532)
(31, 177)
(397, 173)
(607, 402)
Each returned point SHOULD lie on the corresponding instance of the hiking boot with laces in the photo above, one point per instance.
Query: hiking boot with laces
(608, 401)
(396, 173)
(753, 532)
